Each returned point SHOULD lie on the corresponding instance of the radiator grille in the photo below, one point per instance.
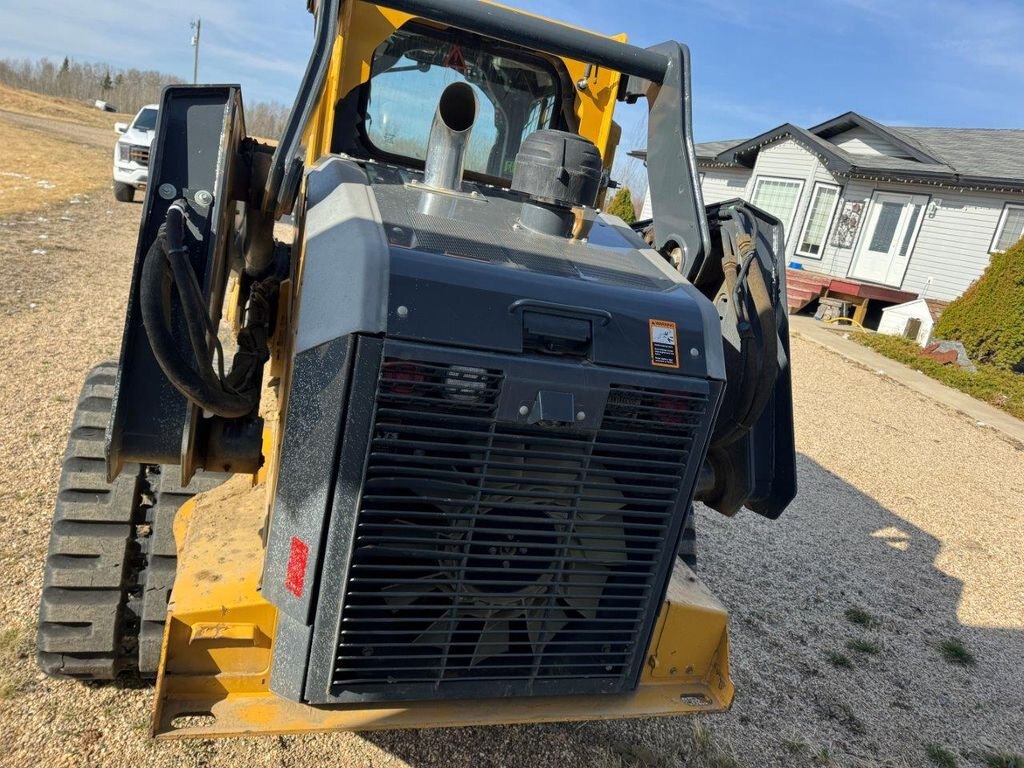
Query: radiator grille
(485, 551)
(139, 155)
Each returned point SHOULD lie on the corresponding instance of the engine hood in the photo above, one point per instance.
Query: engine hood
(137, 138)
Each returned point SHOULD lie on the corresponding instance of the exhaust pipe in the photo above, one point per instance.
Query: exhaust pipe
(449, 136)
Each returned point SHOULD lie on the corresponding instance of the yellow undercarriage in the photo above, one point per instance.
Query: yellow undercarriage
(215, 668)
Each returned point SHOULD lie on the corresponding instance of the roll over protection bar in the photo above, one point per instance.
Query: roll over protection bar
(537, 34)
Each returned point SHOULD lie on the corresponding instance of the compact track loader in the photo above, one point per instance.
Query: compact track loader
(426, 452)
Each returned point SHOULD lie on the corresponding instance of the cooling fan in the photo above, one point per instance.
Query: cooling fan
(526, 572)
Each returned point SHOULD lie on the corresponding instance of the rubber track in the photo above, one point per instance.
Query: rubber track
(111, 559)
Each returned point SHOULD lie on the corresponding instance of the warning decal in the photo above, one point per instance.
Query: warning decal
(664, 344)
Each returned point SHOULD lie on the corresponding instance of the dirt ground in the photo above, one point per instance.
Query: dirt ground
(67, 111)
(53, 151)
(907, 511)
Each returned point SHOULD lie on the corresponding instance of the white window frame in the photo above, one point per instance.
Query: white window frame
(1002, 224)
(787, 226)
(829, 221)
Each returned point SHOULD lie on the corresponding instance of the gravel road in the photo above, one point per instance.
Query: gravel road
(907, 511)
(62, 129)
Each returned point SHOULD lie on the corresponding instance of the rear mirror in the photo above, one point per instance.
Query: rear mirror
(120, 127)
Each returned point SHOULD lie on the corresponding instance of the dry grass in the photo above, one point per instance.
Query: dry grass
(67, 110)
(14, 648)
(39, 170)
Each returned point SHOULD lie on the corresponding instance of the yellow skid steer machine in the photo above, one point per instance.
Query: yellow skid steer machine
(424, 453)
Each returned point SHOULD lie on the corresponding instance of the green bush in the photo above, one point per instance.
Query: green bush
(622, 205)
(996, 386)
(989, 318)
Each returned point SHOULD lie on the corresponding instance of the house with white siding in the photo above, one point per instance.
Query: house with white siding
(901, 212)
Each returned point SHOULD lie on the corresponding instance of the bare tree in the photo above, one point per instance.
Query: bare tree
(127, 89)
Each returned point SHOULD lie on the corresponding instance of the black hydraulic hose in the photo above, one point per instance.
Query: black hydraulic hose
(202, 389)
(748, 359)
(770, 344)
(761, 369)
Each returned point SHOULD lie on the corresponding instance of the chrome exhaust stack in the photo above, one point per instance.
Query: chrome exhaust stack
(449, 137)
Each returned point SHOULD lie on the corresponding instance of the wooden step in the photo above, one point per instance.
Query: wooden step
(803, 287)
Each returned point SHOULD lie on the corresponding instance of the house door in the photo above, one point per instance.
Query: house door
(888, 238)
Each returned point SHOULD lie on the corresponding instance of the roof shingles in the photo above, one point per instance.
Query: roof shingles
(967, 156)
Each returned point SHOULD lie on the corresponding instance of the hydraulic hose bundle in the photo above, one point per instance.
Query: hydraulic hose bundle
(167, 270)
(746, 285)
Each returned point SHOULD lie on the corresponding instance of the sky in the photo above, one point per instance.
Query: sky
(756, 63)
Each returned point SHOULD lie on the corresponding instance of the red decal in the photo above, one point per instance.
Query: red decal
(455, 60)
(295, 579)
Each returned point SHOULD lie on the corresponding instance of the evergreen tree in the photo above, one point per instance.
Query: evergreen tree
(622, 205)
(107, 83)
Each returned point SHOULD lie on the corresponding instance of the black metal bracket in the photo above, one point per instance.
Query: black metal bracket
(195, 157)
(758, 470)
(674, 186)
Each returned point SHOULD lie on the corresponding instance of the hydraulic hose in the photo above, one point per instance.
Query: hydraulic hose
(759, 363)
(168, 257)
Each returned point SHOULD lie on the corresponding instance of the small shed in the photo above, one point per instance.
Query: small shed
(912, 319)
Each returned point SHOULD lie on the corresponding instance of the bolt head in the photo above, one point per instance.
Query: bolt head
(402, 312)
(167, 191)
(581, 416)
(203, 198)
(524, 410)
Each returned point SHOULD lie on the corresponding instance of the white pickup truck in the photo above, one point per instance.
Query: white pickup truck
(131, 155)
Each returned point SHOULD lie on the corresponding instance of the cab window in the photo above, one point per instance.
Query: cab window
(515, 97)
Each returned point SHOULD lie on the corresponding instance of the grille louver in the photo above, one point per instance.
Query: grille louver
(138, 154)
(520, 556)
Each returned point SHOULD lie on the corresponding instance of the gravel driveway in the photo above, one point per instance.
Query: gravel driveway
(908, 512)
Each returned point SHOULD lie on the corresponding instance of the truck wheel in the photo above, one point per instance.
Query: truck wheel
(688, 542)
(124, 193)
(111, 560)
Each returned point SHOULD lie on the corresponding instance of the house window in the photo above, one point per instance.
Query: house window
(824, 199)
(779, 197)
(1010, 229)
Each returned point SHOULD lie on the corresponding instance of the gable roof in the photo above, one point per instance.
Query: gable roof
(848, 120)
(968, 157)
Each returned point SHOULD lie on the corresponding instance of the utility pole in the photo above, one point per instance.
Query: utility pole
(196, 29)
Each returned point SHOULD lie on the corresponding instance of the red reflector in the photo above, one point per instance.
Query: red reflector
(298, 557)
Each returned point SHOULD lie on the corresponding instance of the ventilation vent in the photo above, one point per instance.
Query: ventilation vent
(527, 559)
